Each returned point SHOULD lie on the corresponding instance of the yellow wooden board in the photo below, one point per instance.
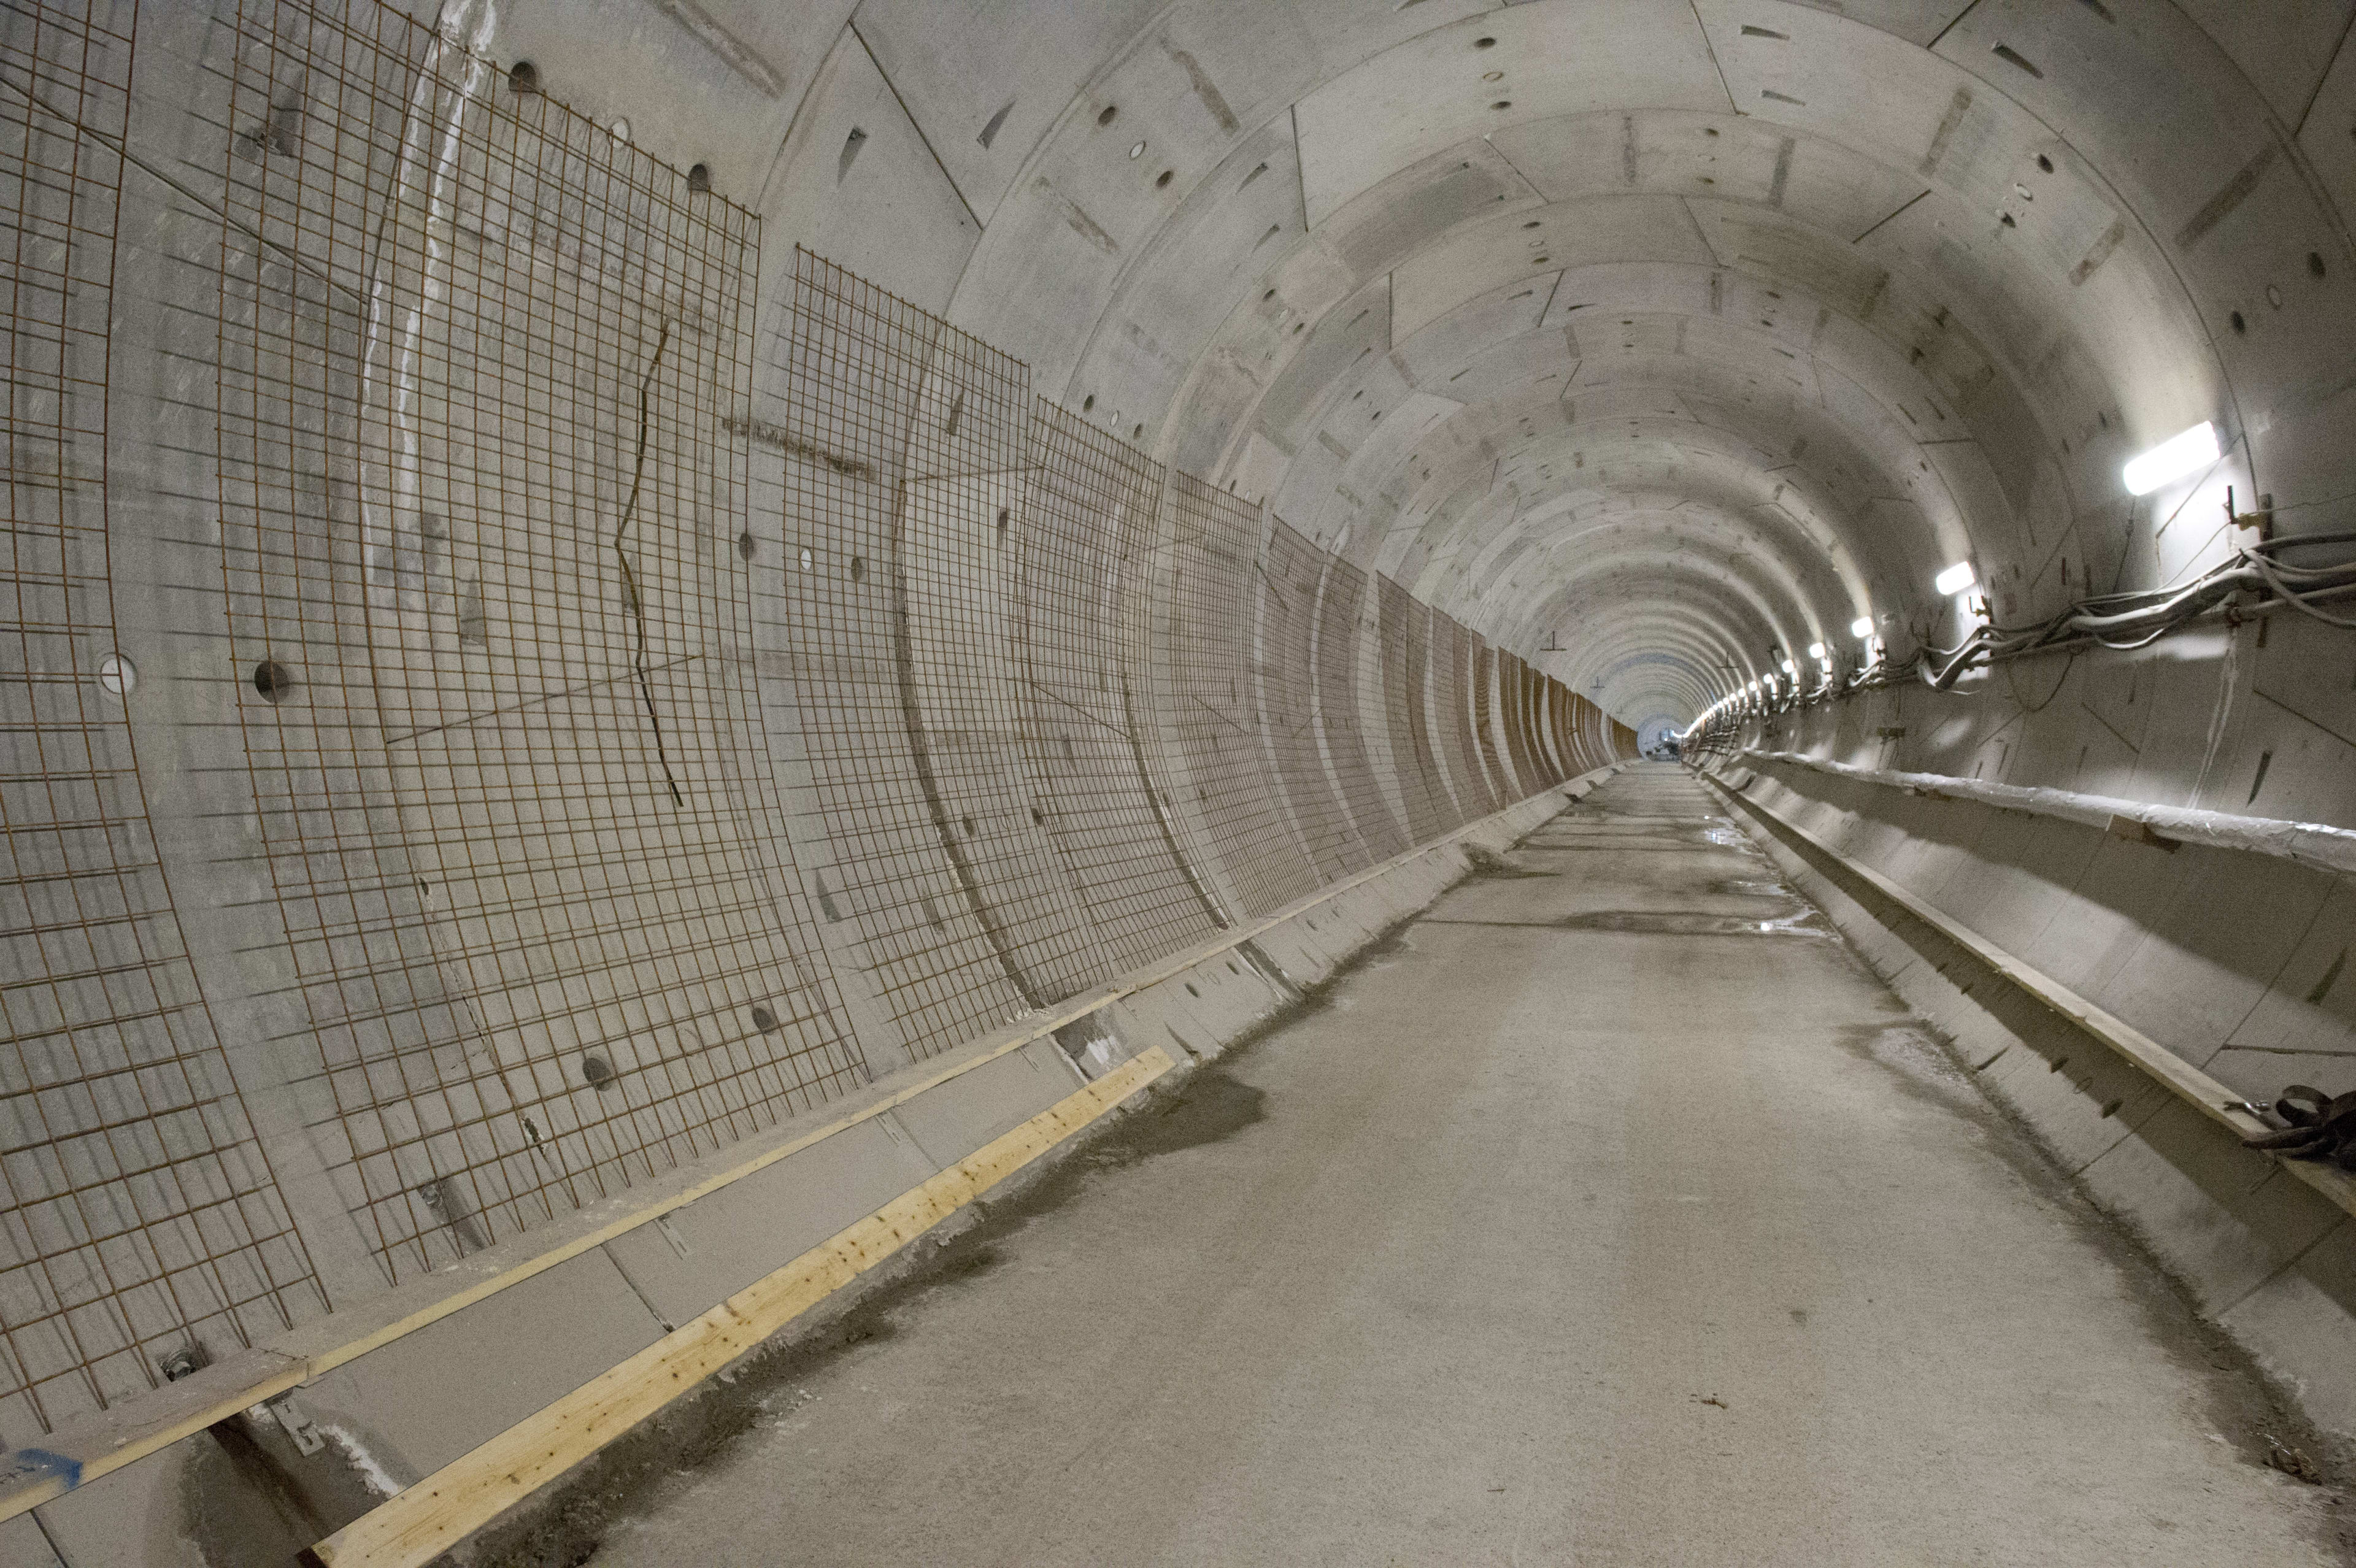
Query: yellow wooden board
(428, 1518)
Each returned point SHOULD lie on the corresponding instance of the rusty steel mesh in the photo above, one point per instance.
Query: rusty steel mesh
(137, 1213)
(655, 722)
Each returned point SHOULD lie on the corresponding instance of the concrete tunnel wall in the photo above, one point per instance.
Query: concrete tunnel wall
(532, 692)
(1109, 472)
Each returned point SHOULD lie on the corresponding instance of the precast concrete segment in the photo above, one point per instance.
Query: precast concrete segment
(1550, 1238)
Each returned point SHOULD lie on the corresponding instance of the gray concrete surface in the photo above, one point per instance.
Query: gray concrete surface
(1613, 1214)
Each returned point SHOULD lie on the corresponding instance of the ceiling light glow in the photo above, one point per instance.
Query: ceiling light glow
(2188, 451)
(1861, 627)
(1955, 579)
(1816, 650)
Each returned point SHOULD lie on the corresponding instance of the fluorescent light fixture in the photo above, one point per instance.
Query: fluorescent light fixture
(1816, 650)
(1861, 627)
(2185, 453)
(1788, 668)
(1957, 579)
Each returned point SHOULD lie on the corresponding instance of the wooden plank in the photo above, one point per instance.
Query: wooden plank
(2163, 1066)
(429, 1517)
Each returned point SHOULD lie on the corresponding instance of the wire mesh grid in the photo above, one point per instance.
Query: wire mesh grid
(1204, 699)
(1535, 688)
(1086, 537)
(139, 1216)
(1484, 724)
(1341, 665)
(1397, 614)
(481, 516)
(906, 452)
(490, 446)
(1514, 711)
(1451, 684)
(1293, 577)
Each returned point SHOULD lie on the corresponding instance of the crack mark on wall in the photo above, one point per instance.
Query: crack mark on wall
(634, 602)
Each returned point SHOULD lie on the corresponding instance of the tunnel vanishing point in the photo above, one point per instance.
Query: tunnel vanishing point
(1209, 781)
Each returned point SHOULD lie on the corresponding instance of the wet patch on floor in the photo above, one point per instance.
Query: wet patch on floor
(1214, 1106)
(1488, 864)
(1665, 922)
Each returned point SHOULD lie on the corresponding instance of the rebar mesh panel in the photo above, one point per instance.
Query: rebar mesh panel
(1290, 585)
(905, 445)
(1452, 687)
(1550, 694)
(487, 623)
(1485, 726)
(1203, 697)
(138, 1213)
(1426, 652)
(1513, 712)
(1541, 748)
(1340, 612)
(1397, 614)
(1085, 536)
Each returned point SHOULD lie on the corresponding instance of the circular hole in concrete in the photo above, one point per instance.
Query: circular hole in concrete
(523, 79)
(2315, 262)
(2274, 296)
(1002, 519)
(1268, 296)
(2239, 325)
(1087, 403)
(1485, 43)
(1137, 432)
(858, 569)
(116, 674)
(621, 131)
(1190, 990)
(1110, 111)
(1533, 223)
(1165, 178)
(2045, 163)
(764, 1019)
(745, 545)
(595, 1071)
(1138, 151)
(1493, 76)
(699, 179)
(968, 827)
(1503, 103)
(273, 680)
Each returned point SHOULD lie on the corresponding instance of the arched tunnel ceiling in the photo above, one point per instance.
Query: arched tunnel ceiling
(1656, 339)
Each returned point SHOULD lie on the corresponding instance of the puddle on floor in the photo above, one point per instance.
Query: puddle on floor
(1666, 923)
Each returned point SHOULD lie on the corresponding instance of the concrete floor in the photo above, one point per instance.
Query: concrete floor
(1614, 1214)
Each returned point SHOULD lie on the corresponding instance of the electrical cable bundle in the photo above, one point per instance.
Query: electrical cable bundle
(2128, 621)
(2122, 621)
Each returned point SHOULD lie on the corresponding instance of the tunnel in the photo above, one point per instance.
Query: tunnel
(1212, 782)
